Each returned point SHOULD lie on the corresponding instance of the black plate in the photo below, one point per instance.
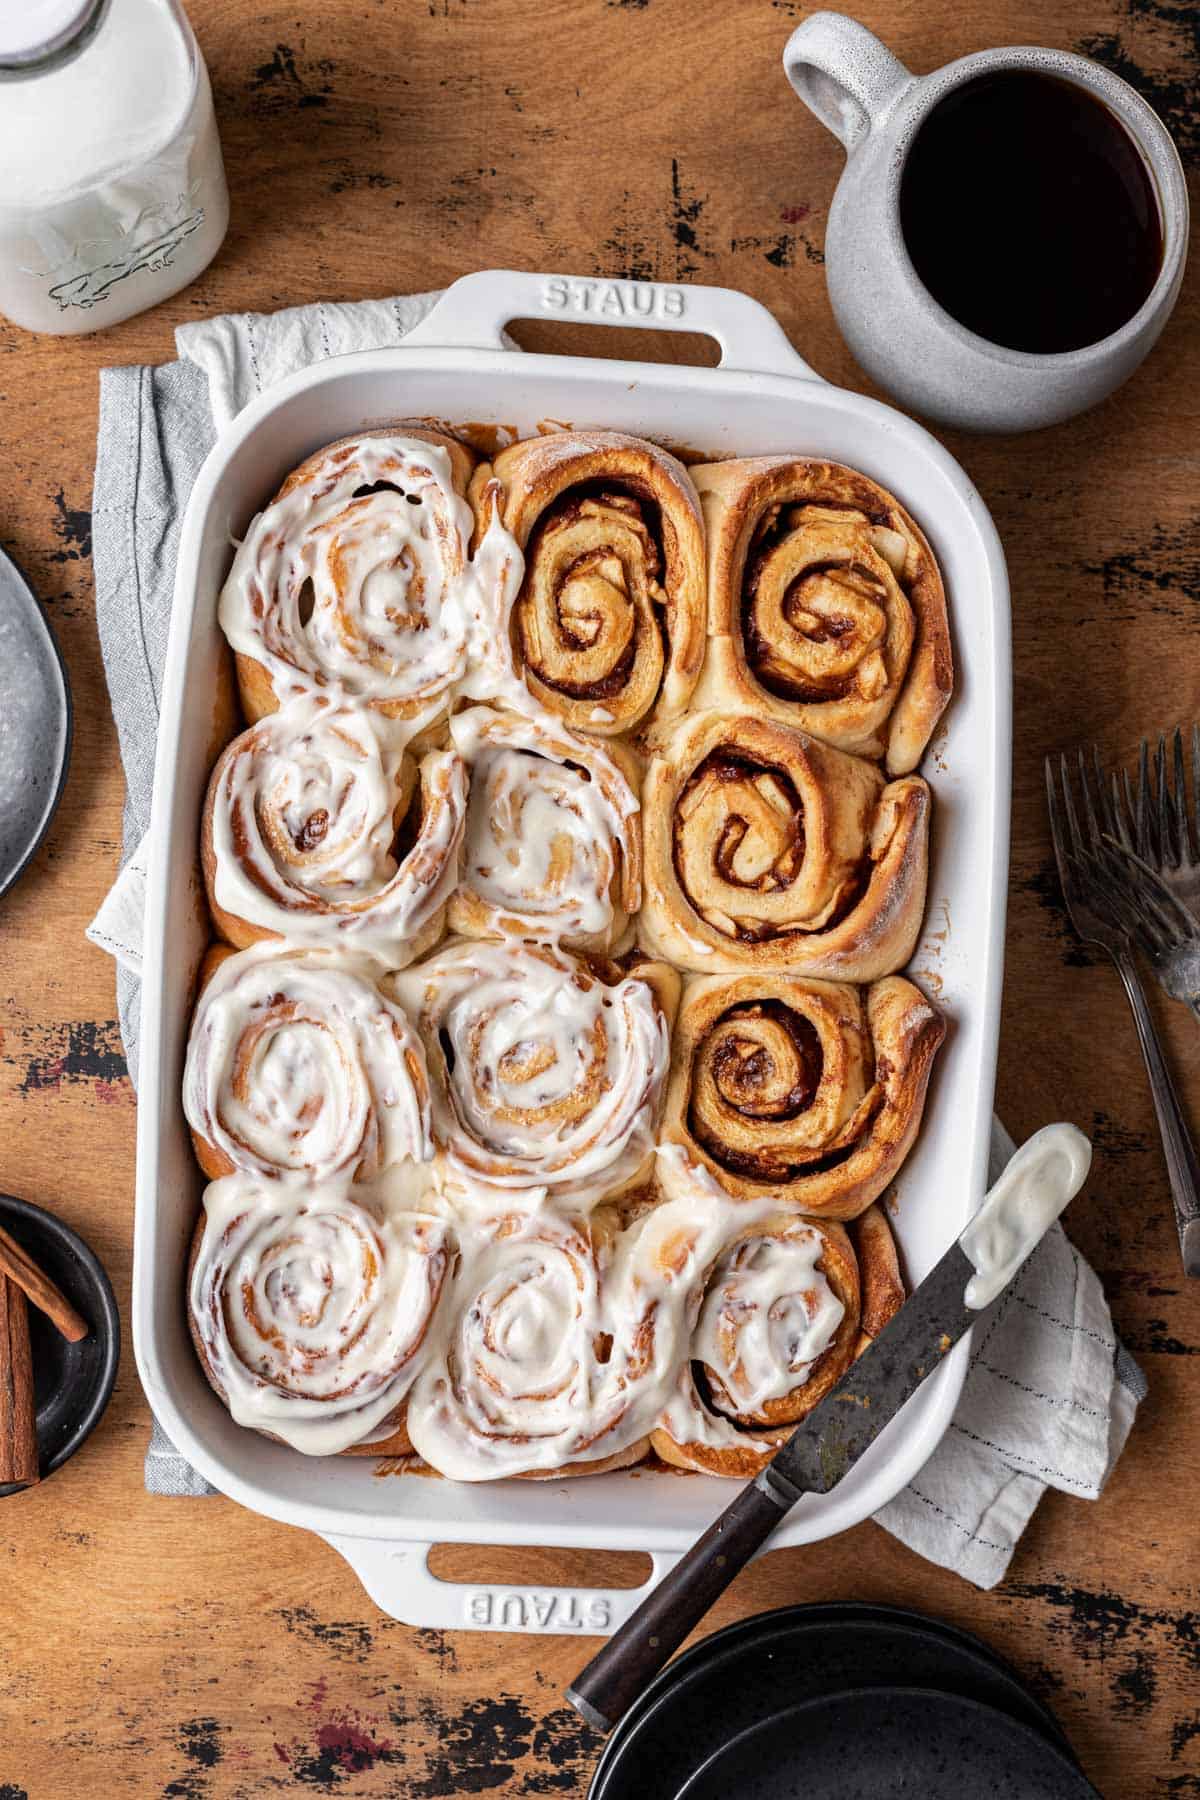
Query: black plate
(870, 1742)
(72, 1382)
(35, 706)
(751, 1670)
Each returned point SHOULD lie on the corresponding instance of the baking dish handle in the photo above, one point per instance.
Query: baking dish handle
(400, 1582)
(474, 310)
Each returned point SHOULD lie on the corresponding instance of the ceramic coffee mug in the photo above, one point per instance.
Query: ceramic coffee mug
(897, 331)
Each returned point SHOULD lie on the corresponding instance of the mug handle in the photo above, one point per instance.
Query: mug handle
(844, 75)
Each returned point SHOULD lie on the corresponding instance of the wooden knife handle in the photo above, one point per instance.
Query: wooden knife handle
(18, 1423)
(614, 1678)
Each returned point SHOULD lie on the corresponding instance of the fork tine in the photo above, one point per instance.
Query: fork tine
(1105, 797)
(1119, 810)
(1129, 810)
(1069, 805)
(1089, 800)
(1183, 830)
(1168, 849)
(1142, 814)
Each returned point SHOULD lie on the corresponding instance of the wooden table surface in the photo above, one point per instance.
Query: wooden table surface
(188, 1648)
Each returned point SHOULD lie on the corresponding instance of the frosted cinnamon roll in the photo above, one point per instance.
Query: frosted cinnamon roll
(777, 1328)
(543, 1075)
(826, 606)
(766, 849)
(608, 626)
(357, 579)
(527, 1380)
(298, 1064)
(319, 829)
(809, 1092)
(553, 841)
(310, 1308)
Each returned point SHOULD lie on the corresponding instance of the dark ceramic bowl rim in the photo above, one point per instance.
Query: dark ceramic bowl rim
(763, 1626)
(1065, 1764)
(104, 1320)
(9, 880)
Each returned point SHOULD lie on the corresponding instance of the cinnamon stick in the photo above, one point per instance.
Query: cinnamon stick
(18, 1423)
(20, 1267)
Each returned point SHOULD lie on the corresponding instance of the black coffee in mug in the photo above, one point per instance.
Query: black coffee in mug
(1029, 213)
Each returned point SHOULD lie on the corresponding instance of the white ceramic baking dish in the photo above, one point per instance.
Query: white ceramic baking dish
(762, 398)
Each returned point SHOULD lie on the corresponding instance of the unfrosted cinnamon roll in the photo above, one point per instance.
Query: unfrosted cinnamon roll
(310, 1307)
(809, 1092)
(319, 829)
(357, 579)
(779, 1322)
(766, 849)
(543, 1075)
(826, 606)
(298, 1064)
(609, 622)
(528, 1381)
(553, 840)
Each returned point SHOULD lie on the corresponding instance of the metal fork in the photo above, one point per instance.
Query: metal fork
(1084, 867)
(1155, 823)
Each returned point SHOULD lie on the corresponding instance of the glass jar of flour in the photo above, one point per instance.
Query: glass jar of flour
(112, 188)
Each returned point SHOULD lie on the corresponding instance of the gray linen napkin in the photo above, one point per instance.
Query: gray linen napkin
(1051, 1394)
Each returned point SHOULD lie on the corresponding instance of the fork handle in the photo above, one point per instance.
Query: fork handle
(1183, 1165)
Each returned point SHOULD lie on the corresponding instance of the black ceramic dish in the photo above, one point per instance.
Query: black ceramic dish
(735, 1679)
(871, 1741)
(72, 1382)
(35, 705)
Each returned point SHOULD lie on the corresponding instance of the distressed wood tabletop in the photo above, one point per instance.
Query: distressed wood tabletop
(187, 1648)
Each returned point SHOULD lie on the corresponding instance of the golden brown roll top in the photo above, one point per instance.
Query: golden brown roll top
(609, 623)
(826, 606)
(766, 849)
(811, 1092)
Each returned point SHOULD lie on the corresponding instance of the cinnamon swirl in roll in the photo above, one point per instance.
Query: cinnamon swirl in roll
(809, 1092)
(310, 1308)
(553, 839)
(767, 849)
(609, 623)
(527, 1382)
(298, 1064)
(319, 829)
(544, 1075)
(357, 579)
(778, 1324)
(826, 606)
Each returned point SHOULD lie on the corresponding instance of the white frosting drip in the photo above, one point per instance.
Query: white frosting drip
(1048, 1170)
(548, 825)
(297, 1062)
(313, 1306)
(768, 1315)
(303, 827)
(551, 1078)
(398, 608)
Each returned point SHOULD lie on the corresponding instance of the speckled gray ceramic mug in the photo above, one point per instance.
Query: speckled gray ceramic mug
(895, 328)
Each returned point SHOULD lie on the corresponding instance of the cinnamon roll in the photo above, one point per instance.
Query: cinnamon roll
(528, 1380)
(809, 1092)
(319, 829)
(609, 622)
(297, 1063)
(777, 1327)
(553, 841)
(766, 849)
(826, 606)
(543, 1075)
(310, 1308)
(357, 579)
